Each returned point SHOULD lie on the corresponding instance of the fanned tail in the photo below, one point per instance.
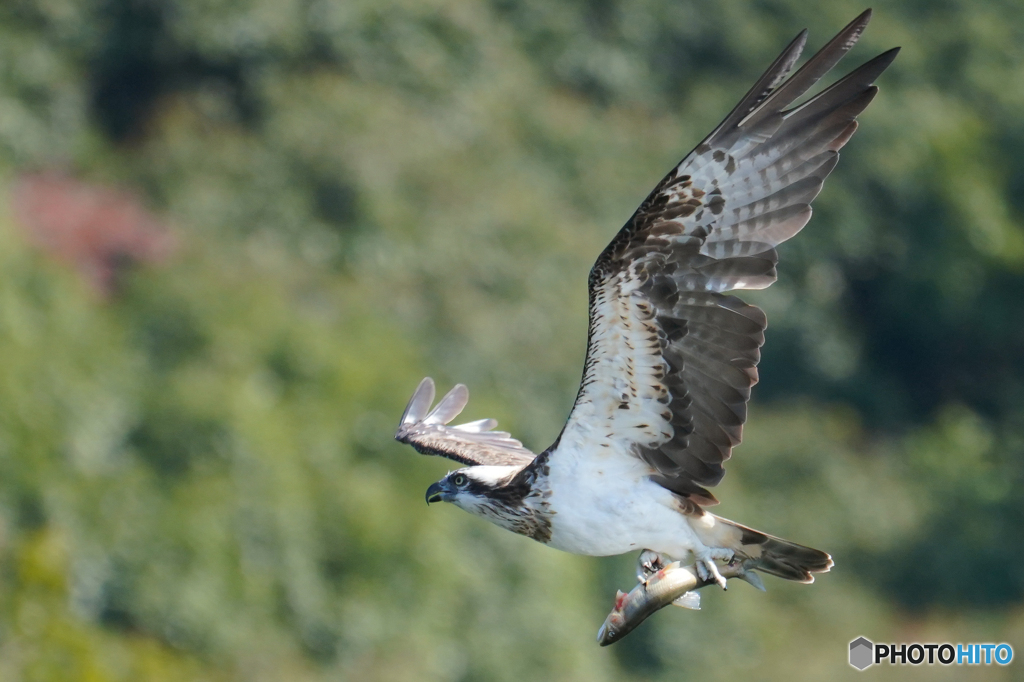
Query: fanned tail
(791, 561)
(773, 555)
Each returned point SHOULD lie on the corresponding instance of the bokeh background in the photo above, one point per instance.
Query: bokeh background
(235, 235)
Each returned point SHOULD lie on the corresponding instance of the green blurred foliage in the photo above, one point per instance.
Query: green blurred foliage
(197, 478)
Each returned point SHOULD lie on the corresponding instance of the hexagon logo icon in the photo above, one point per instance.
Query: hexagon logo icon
(862, 653)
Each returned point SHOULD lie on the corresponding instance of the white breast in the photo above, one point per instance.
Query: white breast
(604, 504)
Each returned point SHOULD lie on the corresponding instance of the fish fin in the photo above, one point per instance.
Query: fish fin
(689, 600)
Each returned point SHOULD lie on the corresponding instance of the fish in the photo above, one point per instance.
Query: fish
(673, 584)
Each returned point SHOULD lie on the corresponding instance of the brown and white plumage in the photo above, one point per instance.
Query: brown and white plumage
(671, 360)
(671, 357)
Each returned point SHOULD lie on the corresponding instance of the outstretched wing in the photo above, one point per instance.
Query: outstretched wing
(473, 443)
(670, 358)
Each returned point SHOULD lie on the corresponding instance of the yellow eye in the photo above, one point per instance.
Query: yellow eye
(460, 480)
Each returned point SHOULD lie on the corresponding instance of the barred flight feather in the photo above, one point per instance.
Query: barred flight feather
(671, 359)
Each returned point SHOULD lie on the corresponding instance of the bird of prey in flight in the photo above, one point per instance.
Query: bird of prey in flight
(671, 357)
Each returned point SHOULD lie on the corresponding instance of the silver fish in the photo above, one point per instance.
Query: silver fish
(672, 584)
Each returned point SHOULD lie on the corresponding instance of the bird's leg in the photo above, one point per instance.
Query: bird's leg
(650, 562)
(706, 567)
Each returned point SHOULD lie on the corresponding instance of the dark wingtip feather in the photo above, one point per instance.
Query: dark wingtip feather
(768, 81)
(887, 57)
(843, 91)
(812, 71)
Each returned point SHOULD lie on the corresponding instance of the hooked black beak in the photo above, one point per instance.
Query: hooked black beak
(434, 493)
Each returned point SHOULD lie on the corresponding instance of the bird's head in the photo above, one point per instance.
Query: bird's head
(475, 489)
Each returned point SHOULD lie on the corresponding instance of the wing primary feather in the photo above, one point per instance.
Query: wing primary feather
(479, 426)
(671, 360)
(473, 443)
(450, 406)
(764, 85)
(420, 402)
(858, 79)
(809, 74)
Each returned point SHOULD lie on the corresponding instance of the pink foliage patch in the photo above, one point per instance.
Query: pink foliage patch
(98, 230)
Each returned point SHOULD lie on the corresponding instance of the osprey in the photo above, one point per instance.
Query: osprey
(670, 357)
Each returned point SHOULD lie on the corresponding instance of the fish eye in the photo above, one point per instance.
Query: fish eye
(460, 480)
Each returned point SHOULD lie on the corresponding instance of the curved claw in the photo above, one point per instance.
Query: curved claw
(707, 569)
(711, 568)
(648, 563)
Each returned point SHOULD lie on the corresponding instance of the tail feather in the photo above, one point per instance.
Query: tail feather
(792, 561)
(779, 557)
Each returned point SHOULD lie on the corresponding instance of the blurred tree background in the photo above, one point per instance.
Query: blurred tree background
(235, 235)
